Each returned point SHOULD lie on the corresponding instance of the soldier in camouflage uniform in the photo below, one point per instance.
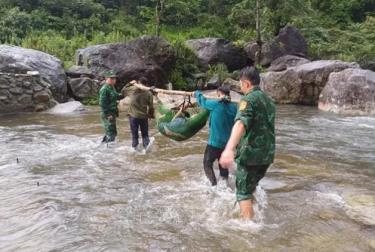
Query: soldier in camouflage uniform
(108, 97)
(252, 141)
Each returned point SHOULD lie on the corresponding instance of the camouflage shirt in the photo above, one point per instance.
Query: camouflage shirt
(257, 112)
(108, 97)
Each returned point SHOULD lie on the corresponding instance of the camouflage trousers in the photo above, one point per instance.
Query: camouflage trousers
(109, 128)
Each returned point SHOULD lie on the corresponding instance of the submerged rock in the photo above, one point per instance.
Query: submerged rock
(67, 107)
(351, 91)
(361, 208)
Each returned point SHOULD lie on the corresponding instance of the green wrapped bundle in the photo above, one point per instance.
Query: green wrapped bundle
(180, 127)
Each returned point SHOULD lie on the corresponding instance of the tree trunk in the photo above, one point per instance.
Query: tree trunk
(259, 37)
(158, 14)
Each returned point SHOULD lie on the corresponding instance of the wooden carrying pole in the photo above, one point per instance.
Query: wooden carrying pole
(173, 92)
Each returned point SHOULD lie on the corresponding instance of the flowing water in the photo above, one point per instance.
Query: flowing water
(60, 190)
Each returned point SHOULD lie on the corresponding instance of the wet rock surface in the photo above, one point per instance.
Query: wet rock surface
(350, 92)
(301, 84)
(20, 60)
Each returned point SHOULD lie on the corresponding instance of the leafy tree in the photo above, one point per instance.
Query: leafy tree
(14, 25)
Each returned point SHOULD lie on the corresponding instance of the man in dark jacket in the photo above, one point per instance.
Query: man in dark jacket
(140, 110)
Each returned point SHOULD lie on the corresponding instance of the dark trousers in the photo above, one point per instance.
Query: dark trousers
(135, 124)
(210, 155)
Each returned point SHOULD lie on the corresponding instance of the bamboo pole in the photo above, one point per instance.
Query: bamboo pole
(162, 91)
(175, 92)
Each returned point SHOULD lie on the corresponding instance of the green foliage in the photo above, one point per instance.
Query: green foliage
(94, 100)
(186, 65)
(220, 69)
(334, 29)
(351, 44)
(14, 25)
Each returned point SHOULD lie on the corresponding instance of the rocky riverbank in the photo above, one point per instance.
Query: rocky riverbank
(291, 78)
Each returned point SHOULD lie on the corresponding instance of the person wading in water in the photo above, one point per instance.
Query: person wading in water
(222, 114)
(253, 135)
(140, 110)
(108, 97)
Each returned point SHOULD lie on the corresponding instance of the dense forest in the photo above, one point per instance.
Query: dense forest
(334, 29)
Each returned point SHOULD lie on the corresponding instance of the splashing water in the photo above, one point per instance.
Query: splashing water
(61, 190)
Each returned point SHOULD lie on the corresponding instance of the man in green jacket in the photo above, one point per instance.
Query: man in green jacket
(108, 97)
(253, 139)
(140, 110)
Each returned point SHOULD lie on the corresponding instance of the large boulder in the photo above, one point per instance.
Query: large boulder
(351, 91)
(14, 59)
(301, 84)
(212, 51)
(79, 72)
(288, 42)
(84, 87)
(147, 56)
(156, 75)
(24, 92)
(284, 62)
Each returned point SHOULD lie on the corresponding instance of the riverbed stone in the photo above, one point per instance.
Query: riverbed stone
(42, 97)
(84, 87)
(5, 92)
(372, 244)
(25, 99)
(67, 107)
(15, 90)
(38, 88)
(26, 84)
(361, 208)
(301, 84)
(350, 92)
(20, 60)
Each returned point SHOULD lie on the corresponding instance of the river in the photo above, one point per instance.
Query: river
(60, 190)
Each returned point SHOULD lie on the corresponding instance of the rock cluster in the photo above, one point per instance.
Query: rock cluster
(24, 92)
(18, 60)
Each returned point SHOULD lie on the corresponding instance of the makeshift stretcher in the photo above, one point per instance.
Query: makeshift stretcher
(181, 123)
